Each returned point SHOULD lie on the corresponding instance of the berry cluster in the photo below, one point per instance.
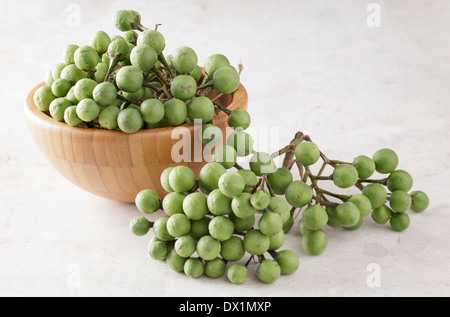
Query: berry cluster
(225, 213)
(126, 83)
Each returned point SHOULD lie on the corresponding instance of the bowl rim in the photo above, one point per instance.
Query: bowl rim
(239, 98)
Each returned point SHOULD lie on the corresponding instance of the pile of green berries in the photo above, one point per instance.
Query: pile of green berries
(126, 83)
(229, 211)
(214, 220)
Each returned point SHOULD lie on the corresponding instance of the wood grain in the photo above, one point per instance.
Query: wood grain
(113, 164)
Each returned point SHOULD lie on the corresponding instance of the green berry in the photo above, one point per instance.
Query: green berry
(194, 268)
(347, 214)
(218, 203)
(239, 119)
(182, 179)
(183, 87)
(215, 268)
(226, 80)
(201, 108)
(256, 243)
(173, 203)
(174, 261)
(268, 271)
(130, 120)
(208, 248)
(178, 225)
(399, 180)
(118, 49)
(242, 142)
(298, 194)
(68, 54)
(160, 229)
(386, 161)
(314, 242)
(260, 200)
(196, 73)
(280, 180)
(210, 174)
(185, 246)
(270, 224)
(400, 221)
(400, 201)
(57, 69)
(61, 87)
(302, 227)
(315, 217)
(195, 206)
(184, 59)
(153, 39)
(199, 228)
(332, 219)
(356, 226)
(242, 224)
(225, 155)
(237, 273)
(104, 93)
(280, 207)
(84, 88)
(214, 62)
(420, 201)
(232, 249)
(345, 176)
(86, 58)
(71, 117)
(376, 193)
(100, 42)
(261, 163)
(140, 226)
(276, 240)
(58, 107)
(362, 203)
(364, 165)
(73, 74)
(165, 179)
(152, 110)
(307, 153)
(143, 57)
(88, 110)
(157, 249)
(148, 201)
(231, 184)
(108, 118)
(129, 79)
(250, 179)
(288, 261)
(221, 228)
(381, 215)
(175, 112)
(210, 134)
(242, 207)
(43, 98)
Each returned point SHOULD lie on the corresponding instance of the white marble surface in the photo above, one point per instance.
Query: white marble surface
(310, 65)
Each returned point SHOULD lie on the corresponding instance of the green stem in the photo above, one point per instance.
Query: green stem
(374, 181)
(322, 178)
(120, 97)
(210, 84)
(112, 64)
(161, 76)
(224, 109)
(163, 60)
(341, 197)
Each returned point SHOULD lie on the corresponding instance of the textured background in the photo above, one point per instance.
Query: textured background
(313, 66)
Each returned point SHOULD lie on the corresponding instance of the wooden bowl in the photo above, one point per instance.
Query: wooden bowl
(113, 164)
